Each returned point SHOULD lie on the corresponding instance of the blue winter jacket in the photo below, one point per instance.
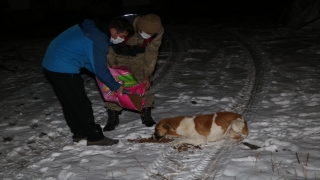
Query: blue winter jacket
(81, 46)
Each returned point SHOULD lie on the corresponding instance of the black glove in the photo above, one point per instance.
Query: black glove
(127, 50)
(136, 50)
(124, 50)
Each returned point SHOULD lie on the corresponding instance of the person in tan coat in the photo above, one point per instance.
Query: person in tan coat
(140, 54)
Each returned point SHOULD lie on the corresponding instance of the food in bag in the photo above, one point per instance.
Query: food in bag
(131, 101)
(132, 96)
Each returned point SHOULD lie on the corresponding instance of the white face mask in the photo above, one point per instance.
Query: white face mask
(144, 35)
(117, 41)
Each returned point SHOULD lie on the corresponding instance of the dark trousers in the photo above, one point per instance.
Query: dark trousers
(75, 103)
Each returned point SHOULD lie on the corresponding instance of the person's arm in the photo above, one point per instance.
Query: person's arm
(102, 72)
(151, 57)
(151, 54)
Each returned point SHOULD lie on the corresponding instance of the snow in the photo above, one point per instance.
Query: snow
(270, 75)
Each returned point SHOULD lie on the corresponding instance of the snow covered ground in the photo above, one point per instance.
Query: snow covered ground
(270, 75)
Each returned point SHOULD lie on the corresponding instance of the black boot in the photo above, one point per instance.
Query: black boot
(78, 135)
(76, 138)
(113, 120)
(97, 138)
(146, 117)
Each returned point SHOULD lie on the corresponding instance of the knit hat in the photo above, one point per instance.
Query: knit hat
(150, 23)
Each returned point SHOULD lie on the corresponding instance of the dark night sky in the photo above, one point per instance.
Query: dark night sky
(32, 21)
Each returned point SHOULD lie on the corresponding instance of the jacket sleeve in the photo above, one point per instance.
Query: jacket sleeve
(101, 70)
(151, 54)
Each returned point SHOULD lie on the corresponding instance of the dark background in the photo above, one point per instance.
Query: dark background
(43, 18)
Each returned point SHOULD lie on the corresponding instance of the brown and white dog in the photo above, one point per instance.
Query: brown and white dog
(200, 129)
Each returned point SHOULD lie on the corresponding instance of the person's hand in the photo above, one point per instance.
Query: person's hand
(120, 90)
(146, 81)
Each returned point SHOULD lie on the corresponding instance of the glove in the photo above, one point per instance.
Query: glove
(122, 50)
(127, 50)
(136, 50)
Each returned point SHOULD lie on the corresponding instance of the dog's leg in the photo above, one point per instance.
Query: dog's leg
(201, 140)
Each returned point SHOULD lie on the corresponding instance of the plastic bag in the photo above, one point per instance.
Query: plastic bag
(132, 98)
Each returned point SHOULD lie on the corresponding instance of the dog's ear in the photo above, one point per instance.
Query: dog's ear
(167, 126)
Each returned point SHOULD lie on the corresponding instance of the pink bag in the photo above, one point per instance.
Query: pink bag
(132, 98)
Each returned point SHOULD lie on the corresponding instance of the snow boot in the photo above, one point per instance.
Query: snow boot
(146, 117)
(103, 142)
(78, 134)
(77, 138)
(113, 120)
(97, 138)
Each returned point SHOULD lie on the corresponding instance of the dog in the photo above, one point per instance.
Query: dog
(201, 129)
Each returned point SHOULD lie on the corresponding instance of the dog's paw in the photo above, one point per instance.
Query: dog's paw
(176, 142)
(180, 141)
(194, 142)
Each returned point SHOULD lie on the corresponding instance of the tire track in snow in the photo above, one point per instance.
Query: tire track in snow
(174, 64)
(171, 164)
(213, 160)
(261, 74)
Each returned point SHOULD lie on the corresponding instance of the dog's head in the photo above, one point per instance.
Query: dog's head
(239, 129)
(167, 127)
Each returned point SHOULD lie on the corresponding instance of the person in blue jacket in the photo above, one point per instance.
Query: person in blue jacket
(83, 45)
